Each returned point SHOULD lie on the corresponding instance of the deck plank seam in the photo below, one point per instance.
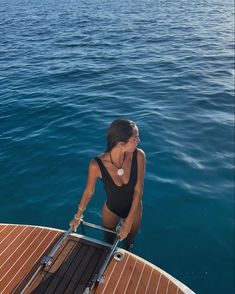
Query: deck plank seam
(90, 279)
(75, 269)
(32, 226)
(53, 276)
(127, 284)
(19, 256)
(94, 253)
(150, 276)
(7, 227)
(140, 278)
(47, 272)
(8, 235)
(11, 241)
(88, 263)
(68, 266)
(57, 255)
(167, 286)
(42, 272)
(16, 248)
(121, 274)
(109, 277)
(44, 251)
(76, 283)
(4, 226)
(158, 284)
(30, 257)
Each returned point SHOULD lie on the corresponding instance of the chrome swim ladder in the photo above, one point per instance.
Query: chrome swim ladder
(74, 253)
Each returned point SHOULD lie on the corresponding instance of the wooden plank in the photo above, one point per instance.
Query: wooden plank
(44, 275)
(144, 279)
(154, 282)
(36, 265)
(33, 286)
(104, 253)
(80, 289)
(123, 281)
(92, 269)
(135, 277)
(80, 270)
(105, 250)
(10, 234)
(120, 266)
(13, 265)
(107, 274)
(23, 253)
(172, 288)
(2, 227)
(76, 260)
(60, 267)
(20, 245)
(62, 254)
(91, 266)
(84, 264)
(5, 230)
(162, 285)
(26, 264)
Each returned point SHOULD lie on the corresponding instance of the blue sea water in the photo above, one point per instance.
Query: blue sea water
(68, 68)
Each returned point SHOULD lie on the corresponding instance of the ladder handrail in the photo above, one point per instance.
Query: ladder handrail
(48, 260)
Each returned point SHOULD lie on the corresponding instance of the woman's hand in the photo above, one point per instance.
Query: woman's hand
(75, 223)
(125, 230)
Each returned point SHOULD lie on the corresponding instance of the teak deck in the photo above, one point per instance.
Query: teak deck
(75, 264)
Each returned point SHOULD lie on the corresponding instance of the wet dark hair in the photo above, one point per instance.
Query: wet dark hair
(120, 130)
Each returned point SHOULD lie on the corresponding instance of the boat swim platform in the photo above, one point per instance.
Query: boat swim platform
(75, 265)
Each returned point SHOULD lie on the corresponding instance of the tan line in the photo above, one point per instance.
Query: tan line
(148, 281)
(31, 255)
(177, 290)
(121, 274)
(109, 278)
(14, 241)
(8, 234)
(158, 284)
(130, 276)
(20, 257)
(140, 278)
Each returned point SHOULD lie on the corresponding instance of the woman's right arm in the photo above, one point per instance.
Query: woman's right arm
(93, 174)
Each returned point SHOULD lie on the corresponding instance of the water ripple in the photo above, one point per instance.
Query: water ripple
(69, 69)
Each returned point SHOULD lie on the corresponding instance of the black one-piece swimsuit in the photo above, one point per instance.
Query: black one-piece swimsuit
(119, 198)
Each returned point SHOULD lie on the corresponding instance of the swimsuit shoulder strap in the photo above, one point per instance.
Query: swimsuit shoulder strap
(134, 167)
(103, 169)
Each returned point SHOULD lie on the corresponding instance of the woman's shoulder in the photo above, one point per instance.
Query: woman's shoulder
(94, 161)
(94, 167)
(140, 153)
(103, 157)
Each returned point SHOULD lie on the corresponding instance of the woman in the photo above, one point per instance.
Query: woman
(121, 168)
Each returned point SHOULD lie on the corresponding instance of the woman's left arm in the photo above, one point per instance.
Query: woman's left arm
(138, 192)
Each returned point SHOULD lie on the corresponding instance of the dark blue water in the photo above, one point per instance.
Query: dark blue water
(68, 68)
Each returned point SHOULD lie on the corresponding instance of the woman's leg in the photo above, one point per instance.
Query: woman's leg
(135, 228)
(110, 221)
